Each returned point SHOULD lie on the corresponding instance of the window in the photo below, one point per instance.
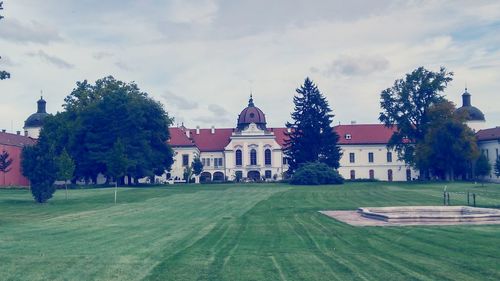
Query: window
(285, 161)
(353, 175)
(185, 159)
(372, 174)
(352, 158)
(370, 157)
(267, 156)
(497, 153)
(253, 157)
(348, 136)
(205, 162)
(389, 157)
(218, 162)
(268, 174)
(239, 159)
(408, 174)
(389, 175)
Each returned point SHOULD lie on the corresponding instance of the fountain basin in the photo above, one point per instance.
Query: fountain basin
(425, 214)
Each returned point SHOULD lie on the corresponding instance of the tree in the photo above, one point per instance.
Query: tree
(66, 169)
(3, 74)
(449, 145)
(117, 163)
(405, 106)
(39, 166)
(5, 163)
(197, 166)
(483, 167)
(497, 167)
(97, 115)
(311, 137)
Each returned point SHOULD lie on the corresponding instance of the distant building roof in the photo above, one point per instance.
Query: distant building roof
(488, 134)
(15, 140)
(364, 134)
(178, 138)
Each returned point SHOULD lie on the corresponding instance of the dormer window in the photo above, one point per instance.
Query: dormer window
(348, 136)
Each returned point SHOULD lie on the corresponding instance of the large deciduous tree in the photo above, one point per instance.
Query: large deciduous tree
(39, 166)
(97, 115)
(311, 137)
(3, 74)
(449, 145)
(5, 163)
(405, 106)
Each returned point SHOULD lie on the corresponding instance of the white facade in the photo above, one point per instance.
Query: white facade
(373, 161)
(491, 148)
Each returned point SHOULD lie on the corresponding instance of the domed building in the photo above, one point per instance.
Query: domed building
(475, 117)
(34, 123)
(251, 114)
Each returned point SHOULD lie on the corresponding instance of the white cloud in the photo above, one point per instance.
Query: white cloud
(33, 32)
(52, 59)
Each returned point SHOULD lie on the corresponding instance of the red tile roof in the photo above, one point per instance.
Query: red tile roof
(364, 134)
(488, 134)
(15, 140)
(206, 141)
(178, 138)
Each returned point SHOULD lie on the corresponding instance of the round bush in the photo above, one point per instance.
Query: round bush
(315, 174)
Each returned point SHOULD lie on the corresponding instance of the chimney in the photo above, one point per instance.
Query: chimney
(197, 130)
(25, 133)
(188, 133)
(288, 130)
(18, 132)
(212, 130)
(353, 122)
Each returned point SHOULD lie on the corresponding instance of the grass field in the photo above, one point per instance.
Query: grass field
(238, 232)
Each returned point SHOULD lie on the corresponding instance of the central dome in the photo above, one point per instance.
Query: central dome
(36, 119)
(473, 113)
(251, 114)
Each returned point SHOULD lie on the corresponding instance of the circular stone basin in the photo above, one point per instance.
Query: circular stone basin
(430, 214)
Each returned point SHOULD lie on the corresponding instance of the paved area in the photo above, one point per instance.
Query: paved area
(355, 219)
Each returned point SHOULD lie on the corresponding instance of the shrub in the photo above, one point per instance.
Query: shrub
(315, 174)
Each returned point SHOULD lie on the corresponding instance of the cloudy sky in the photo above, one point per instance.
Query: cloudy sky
(202, 58)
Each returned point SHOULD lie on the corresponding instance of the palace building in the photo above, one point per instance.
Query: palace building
(253, 151)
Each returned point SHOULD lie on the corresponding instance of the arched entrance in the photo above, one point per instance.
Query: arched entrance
(389, 175)
(408, 174)
(253, 175)
(205, 177)
(218, 176)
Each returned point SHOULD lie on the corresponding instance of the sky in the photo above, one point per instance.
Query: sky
(202, 59)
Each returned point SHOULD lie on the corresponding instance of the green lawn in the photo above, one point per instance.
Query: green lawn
(238, 232)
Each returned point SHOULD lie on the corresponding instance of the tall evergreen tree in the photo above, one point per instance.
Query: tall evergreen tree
(5, 162)
(3, 74)
(39, 166)
(311, 137)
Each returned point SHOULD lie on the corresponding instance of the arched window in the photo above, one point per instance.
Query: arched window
(408, 174)
(353, 175)
(239, 159)
(253, 157)
(267, 156)
(372, 174)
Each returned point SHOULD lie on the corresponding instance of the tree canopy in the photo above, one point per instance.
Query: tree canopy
(3, 74)
(449, 145)
(197, 165)
(97, 115)
(39, 166)
(483, 167)
(5, 163)
(405, 106)
(311, 137)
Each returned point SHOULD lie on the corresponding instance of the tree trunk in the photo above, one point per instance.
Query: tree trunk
(66, 187)
(116, 189)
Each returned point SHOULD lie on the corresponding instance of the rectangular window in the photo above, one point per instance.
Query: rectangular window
(218, 162)
(487, 154)
(285, 161)
(352, 158)
(389, 157)
(268, 174)
(497, 153)
(185, 159)
(370, 157)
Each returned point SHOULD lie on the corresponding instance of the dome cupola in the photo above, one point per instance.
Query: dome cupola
(35, 120)
(251, 114)
(473, 113)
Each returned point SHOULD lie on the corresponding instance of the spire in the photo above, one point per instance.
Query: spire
(466, 100)
(41, 104)
(250, 101)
